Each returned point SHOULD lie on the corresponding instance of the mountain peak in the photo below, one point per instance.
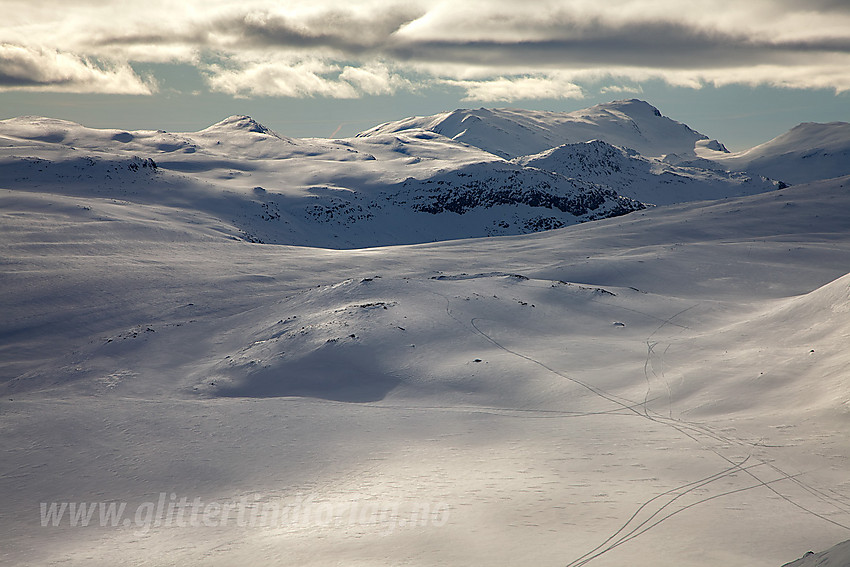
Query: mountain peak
(631, 106)
(242, 123)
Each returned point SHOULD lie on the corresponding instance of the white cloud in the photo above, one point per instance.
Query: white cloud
(375, 80)
(827, 75)
(510, 89)
(27, 68)
(255, 74)
(269, 78)
(621, 89)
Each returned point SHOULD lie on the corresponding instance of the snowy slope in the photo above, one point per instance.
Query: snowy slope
(794, 343)
(644, 179)
(511, 133)
(836, 556)
(639, 390)
(807, 152)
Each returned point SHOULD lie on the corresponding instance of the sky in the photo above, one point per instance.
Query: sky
(741, 72)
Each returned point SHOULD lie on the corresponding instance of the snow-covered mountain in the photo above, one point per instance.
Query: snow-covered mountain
(645, 179)
(511, 133)
(807, 152)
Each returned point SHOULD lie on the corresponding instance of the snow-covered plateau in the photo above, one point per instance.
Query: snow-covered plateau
(485, 337)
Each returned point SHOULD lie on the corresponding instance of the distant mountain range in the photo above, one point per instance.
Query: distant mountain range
(511, 133)
(460, 174)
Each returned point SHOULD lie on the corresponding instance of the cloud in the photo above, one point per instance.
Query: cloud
(510, 89)
(490, 48)
(660, 44)
(346, 31)
(49, 70)
(375, 80)
(305, 78)
(826, 75)
(621, 89)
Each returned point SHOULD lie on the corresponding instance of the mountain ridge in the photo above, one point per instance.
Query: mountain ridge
(644, 179)
(416, 180)
(807, 151)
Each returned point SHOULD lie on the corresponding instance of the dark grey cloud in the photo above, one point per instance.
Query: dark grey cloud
(17, 80)
(823, 45)
(825, 6)
(198, 37)
(650, 44)
(335, 29)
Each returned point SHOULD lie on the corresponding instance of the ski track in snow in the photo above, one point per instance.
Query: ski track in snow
(695, 431)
